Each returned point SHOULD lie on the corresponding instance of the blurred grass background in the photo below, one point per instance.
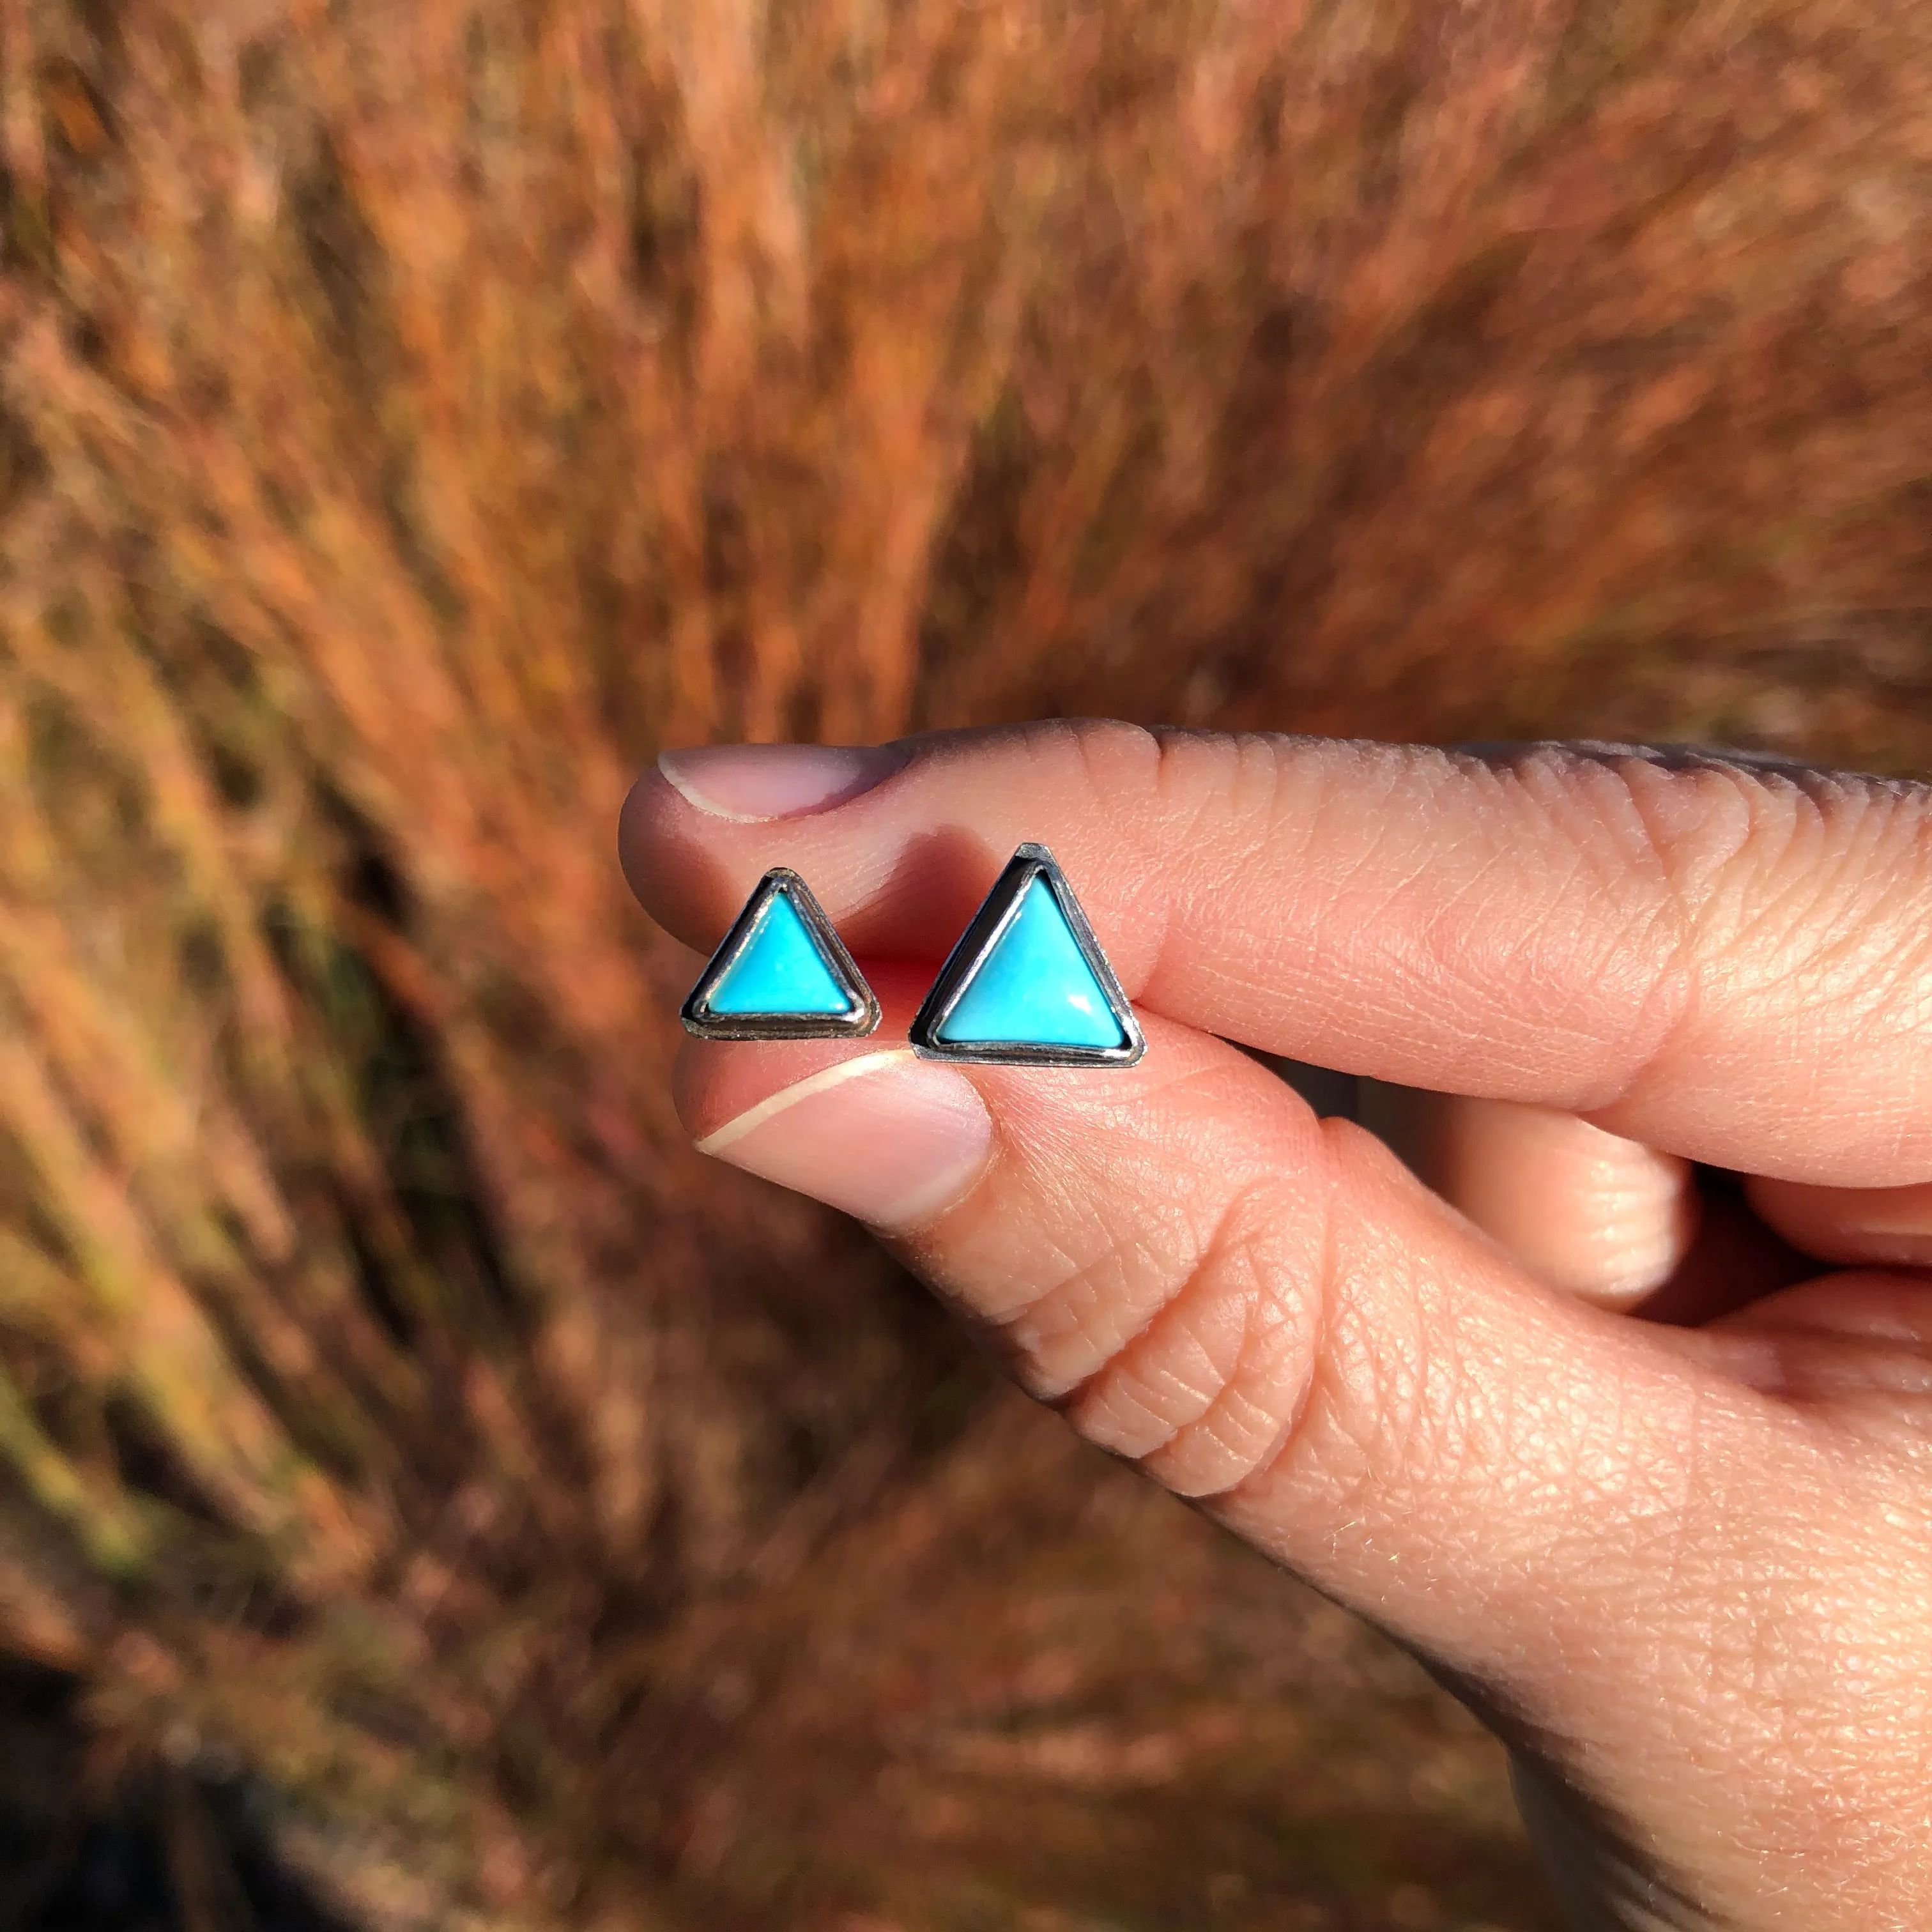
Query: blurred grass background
(430, 1496)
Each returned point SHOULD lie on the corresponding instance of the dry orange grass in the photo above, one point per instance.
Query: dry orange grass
(411, 416)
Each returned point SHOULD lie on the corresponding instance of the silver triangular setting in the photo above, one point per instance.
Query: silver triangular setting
(1027, 984)
(781, 973)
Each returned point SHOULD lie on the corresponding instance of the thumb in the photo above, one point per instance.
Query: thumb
(1271, 1315)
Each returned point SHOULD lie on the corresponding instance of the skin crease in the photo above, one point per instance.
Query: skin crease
(1685, 1570)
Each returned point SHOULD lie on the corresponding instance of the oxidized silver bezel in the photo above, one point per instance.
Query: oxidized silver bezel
(996, 912)
(699, 1019)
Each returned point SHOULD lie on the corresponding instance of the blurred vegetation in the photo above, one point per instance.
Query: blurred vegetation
(421, 1480)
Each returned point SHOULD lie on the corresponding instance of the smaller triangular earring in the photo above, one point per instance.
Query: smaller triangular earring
(1027, 984)
(781, 973)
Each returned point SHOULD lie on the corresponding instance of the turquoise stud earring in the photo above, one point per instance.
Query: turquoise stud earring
(781, 973)
(1027, 984)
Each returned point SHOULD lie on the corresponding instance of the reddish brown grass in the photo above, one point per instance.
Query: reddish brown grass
(409, 418)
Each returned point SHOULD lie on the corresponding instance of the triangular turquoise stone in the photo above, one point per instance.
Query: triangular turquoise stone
(780, 969)
(1034, 987)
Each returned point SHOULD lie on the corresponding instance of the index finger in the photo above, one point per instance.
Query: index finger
(1729, 962)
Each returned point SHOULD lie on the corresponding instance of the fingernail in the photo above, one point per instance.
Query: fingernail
(888, 1138)
(758, 781)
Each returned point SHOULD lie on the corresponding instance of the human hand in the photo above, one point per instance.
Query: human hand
(1684, 1568)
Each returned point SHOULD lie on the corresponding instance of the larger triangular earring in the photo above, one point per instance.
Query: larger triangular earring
(781, 973)
(1027, 984)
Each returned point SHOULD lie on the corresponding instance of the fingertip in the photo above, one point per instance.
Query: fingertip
(641, 823)
(1605, 1218)
(716, 1082)
(689, 880)
(884, 1136)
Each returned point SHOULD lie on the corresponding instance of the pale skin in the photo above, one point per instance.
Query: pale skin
(1683, 1566)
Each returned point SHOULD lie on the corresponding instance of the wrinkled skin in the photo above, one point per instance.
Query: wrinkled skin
(1641, 1465)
